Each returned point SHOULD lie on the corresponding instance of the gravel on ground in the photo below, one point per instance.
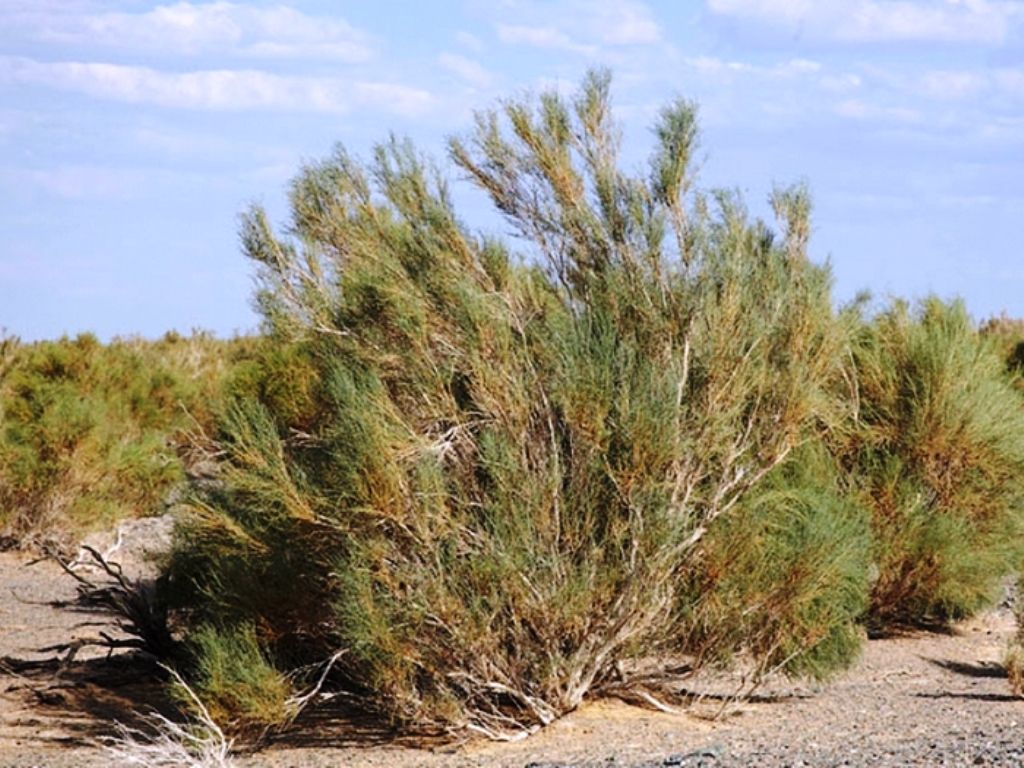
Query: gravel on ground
(921, 700)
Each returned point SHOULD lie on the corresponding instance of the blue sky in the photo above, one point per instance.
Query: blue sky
(133, 133)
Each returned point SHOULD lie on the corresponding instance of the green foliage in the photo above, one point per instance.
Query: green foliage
(1007, 334)
(940, 460)
(785, 579)
(492, 473)
(234, 680)
(472, 482)
(91, 433)
(269, 562)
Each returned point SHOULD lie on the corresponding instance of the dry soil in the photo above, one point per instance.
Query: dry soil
(924, 699)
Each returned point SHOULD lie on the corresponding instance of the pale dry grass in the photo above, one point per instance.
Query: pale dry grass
(199, 743)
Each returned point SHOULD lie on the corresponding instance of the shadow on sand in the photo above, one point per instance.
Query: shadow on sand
(967, 669)
(78, 704)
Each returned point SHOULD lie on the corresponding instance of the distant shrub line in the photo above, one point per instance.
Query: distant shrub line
(91, 433)
(476, 485)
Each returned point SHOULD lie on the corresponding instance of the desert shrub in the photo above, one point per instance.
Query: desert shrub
(234, 680)
(784, 581)
(9, 346)
(939, 459)
(283, 376)
(92, 432)
(1007, 334)
(493, 472)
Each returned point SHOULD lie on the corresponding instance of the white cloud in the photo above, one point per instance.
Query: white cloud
(952, 84)
(1010, 81)
(20, 123)
(721, 68)
(841, 83)
(84, 182)
(169, 142)
(470, 71)
(976, 21)
(213, 89)
(470, 41)
(963, 84)
(186, 28)
(23, 8)
(866, 111)
(1003, 130)
(619, 23)
(542, 37)
(580, 26)
(969, 201)
(392, 97)
(939, 105)
(87, 182)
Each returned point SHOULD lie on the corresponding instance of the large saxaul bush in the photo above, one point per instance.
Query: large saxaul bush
(938, 458)
(475, 479)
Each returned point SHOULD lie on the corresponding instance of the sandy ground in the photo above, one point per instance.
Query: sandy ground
(918, 700)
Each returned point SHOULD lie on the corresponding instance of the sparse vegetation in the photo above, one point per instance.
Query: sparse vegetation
(91, 433)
